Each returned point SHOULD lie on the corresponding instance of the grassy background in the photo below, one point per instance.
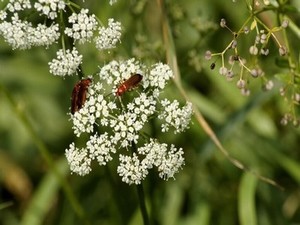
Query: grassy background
(37, 187)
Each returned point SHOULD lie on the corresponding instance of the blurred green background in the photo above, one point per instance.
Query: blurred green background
(37, 187)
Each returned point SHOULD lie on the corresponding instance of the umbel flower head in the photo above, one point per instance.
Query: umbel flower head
(116, 125)
(81, 26)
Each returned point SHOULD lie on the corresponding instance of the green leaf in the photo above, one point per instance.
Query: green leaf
(246, 200)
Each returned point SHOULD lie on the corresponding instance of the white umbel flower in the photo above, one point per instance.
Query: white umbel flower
(174, 116)
(79, 160)
(66, 62)
(133, 170)
(22, 35)
(110, 36)
(83, 26)
(123, 118)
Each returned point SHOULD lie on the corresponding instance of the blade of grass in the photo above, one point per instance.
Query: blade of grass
(43, 197)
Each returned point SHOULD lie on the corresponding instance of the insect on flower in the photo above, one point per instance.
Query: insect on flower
(79, 94)
(128, 84)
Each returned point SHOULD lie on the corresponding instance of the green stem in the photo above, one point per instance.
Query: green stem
(141, 197)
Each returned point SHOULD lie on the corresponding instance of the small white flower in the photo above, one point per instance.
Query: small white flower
(116, 72)
(66, 63)
(3, 15)
(174, 116)
(167, 161)
(49, 8)
(43, 35)
(108, 37)
(78, 160)
(15, 32)
(269, 85)
(126, 126)
(18, 5)
(158, 76)
(100, 148)
(83, 26)
(171, 163)
(111, 2)
(22, 35)
(131, 169)
(84, 119)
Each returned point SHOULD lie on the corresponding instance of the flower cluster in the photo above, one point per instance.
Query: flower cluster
(168, 162)
(66, 62)
(20, 33)
(108, 37)
(23, 35)
(83, 26)
(237, 65)
(122, 121)
(259, 47)
(174, 116)
(104, 108)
